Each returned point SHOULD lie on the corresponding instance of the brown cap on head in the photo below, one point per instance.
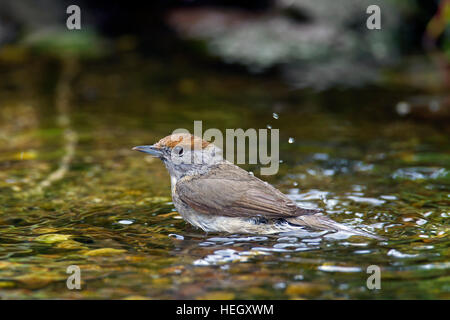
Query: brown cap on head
(182, 139)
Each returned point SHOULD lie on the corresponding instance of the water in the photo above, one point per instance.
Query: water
(73, 193)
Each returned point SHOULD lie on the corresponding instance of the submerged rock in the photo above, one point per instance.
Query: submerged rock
(52, 238)
(104, 252)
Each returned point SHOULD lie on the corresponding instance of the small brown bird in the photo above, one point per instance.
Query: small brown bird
(215, 195)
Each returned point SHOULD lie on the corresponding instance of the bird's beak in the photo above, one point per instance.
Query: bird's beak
(154, 151)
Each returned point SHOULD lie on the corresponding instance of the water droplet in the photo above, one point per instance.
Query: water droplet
(421, 222)
(126, 222)
(269, 126)
(372, 201)
(275, 115)
(403, 108)
(176, 236)
(291, 140)
(279, 285)
(328, 268)
(388, 197)
(401, 255)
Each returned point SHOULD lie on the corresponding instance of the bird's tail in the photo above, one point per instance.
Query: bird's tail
(321, 222)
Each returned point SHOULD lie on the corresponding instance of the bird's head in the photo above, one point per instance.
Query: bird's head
(184, 154)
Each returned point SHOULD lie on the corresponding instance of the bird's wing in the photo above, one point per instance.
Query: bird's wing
(231, 191)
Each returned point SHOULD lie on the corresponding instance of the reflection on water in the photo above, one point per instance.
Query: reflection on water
(112, 215)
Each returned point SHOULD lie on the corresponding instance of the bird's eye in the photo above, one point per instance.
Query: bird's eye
(178, 150)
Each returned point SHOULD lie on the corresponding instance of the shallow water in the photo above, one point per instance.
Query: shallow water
(108, 210)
